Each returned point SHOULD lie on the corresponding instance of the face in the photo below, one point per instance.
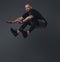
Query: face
(28, 7)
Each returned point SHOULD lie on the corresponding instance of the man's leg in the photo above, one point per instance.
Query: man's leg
(21, 29)
(32, 27)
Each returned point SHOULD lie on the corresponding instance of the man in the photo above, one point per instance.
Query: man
(29, 18)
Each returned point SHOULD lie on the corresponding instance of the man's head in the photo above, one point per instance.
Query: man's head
(28, 7)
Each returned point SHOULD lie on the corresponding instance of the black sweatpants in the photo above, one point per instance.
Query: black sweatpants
(33, 25)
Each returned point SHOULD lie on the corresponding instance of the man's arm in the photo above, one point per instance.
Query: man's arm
(21, 19)
(28, 18)
(16, 20)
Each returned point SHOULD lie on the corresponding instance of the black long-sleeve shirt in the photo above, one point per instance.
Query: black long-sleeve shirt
(36, 15)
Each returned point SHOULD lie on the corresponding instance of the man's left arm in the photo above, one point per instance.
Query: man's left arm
(28, 18)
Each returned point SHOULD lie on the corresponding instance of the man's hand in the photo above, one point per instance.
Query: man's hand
(11, 22)
(18, 20)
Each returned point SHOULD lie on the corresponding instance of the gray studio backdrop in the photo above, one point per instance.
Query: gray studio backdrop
(42, 45)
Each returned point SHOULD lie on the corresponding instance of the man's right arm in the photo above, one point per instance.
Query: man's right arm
(19, 19)
(16, 20)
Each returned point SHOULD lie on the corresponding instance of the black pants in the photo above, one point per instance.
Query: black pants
(33, 25)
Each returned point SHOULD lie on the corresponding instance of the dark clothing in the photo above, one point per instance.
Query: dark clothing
(32, 26)
(34, 21)
(36, 15)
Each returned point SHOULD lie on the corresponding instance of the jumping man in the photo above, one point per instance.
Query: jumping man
(31, 18)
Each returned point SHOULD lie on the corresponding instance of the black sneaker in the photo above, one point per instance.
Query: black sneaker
(24, 34)
(14, 32)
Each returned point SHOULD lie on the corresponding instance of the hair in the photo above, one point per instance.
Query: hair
(28, 4)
